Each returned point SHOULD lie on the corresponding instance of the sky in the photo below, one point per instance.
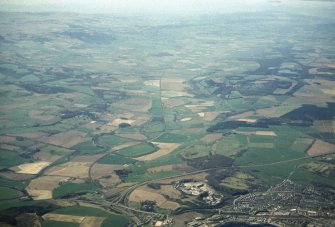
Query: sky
(150, 6)
(135, 6)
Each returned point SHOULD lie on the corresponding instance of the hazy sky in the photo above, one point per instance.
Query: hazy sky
(146, 6)
(135, 6)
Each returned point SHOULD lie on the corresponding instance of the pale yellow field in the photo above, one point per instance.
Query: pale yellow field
(70, 169)
(67, 139)
(171, 93)
(101, 88)
(125, 145)
(249, 120)
(42, 187)
(30, 168)
(118, 121)
(202, 114)
(37, 194)
(200, 106)
(173, 84)
(209, 116)
(100, 170)
(145, 193)
(164, 149)
(155, 83)
(84, 221)
(141, 194)
(63, 218)
(92, 222)
(265, 133)
(172, 102)
(170, 205)
(86, 158)
(186, 119)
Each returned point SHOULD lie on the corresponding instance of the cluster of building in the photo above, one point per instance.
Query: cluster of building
(286, 194)
(284, 204)
(276, 219)
(201, 189)
(67, 180)
(166, 222)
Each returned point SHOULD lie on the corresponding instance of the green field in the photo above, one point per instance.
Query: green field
(116, 159)
(171, 138)
(108, 141)
(195, 151)
(137, 150)
(13, 183)
(8, 193)
(59, 223)
(230, 145)
(88, 148)
(72, 188)
(10, 158)
(54, 150)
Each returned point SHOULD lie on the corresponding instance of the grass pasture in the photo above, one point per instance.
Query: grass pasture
(8, 193)
(171, 138)
(59, 223)
(112, 141)
(54, 150)
(116, 160)
(10, 158)
(72, 188)
(163, 149)
(138, 150)
(230, 145)
(88, 148)
(196, 151)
